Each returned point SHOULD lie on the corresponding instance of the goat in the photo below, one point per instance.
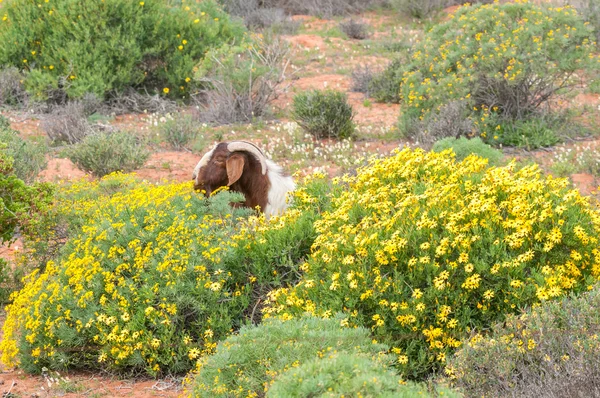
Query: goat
(243, 168)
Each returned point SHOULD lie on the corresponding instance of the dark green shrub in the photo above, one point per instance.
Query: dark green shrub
(463, 147)
(29, 157)
(504, 62)
(21, 206)
(536, 132)
(104, 153)
(551, 350)
(324, 114)
(250, 361)
(24, 208)
(78, 47)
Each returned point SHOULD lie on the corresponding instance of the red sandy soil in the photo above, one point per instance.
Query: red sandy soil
(84, 385)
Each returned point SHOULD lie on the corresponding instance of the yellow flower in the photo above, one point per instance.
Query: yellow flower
(166, 90)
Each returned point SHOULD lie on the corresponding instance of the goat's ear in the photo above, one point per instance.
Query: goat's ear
(235, 167)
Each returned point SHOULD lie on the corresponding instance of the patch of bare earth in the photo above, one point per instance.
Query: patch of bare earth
(20, 384)
(59, 169)
(174, 166)
(25, 124)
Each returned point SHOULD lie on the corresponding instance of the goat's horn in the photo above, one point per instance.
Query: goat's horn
(248, 147)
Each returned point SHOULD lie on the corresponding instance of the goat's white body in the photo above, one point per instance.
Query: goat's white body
(277, 200)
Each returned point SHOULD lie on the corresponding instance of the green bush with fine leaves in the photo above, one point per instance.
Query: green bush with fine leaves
(76, 47)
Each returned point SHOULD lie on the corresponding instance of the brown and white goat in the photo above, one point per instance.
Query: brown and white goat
(243, 167)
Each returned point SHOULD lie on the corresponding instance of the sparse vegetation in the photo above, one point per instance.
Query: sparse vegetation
(362, 78)
(242, 80)
(578, 158)
(67, 124)
(12, 90)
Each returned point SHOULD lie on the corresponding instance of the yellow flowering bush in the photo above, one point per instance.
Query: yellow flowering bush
(151, 276)
(503, 62)
(423, 249)
(107, 46)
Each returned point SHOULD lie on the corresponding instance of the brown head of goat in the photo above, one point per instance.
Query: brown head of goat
(239, 165)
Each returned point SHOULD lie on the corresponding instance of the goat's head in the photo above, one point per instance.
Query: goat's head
(226, 163)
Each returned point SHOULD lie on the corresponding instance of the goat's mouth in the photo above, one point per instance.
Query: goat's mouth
(202, 189)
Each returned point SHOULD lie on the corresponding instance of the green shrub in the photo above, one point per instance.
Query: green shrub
(22, 206)
(464, 147)
(385, 85)
(324, 114)
(534, 133)
(346, 374)
(100, 47)
(241, 80)
(550, 350)
(105, 153)
(179, 130)
(29, 157)
(247, 363)
(423, 249)
(504, 61)
(5, 291)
